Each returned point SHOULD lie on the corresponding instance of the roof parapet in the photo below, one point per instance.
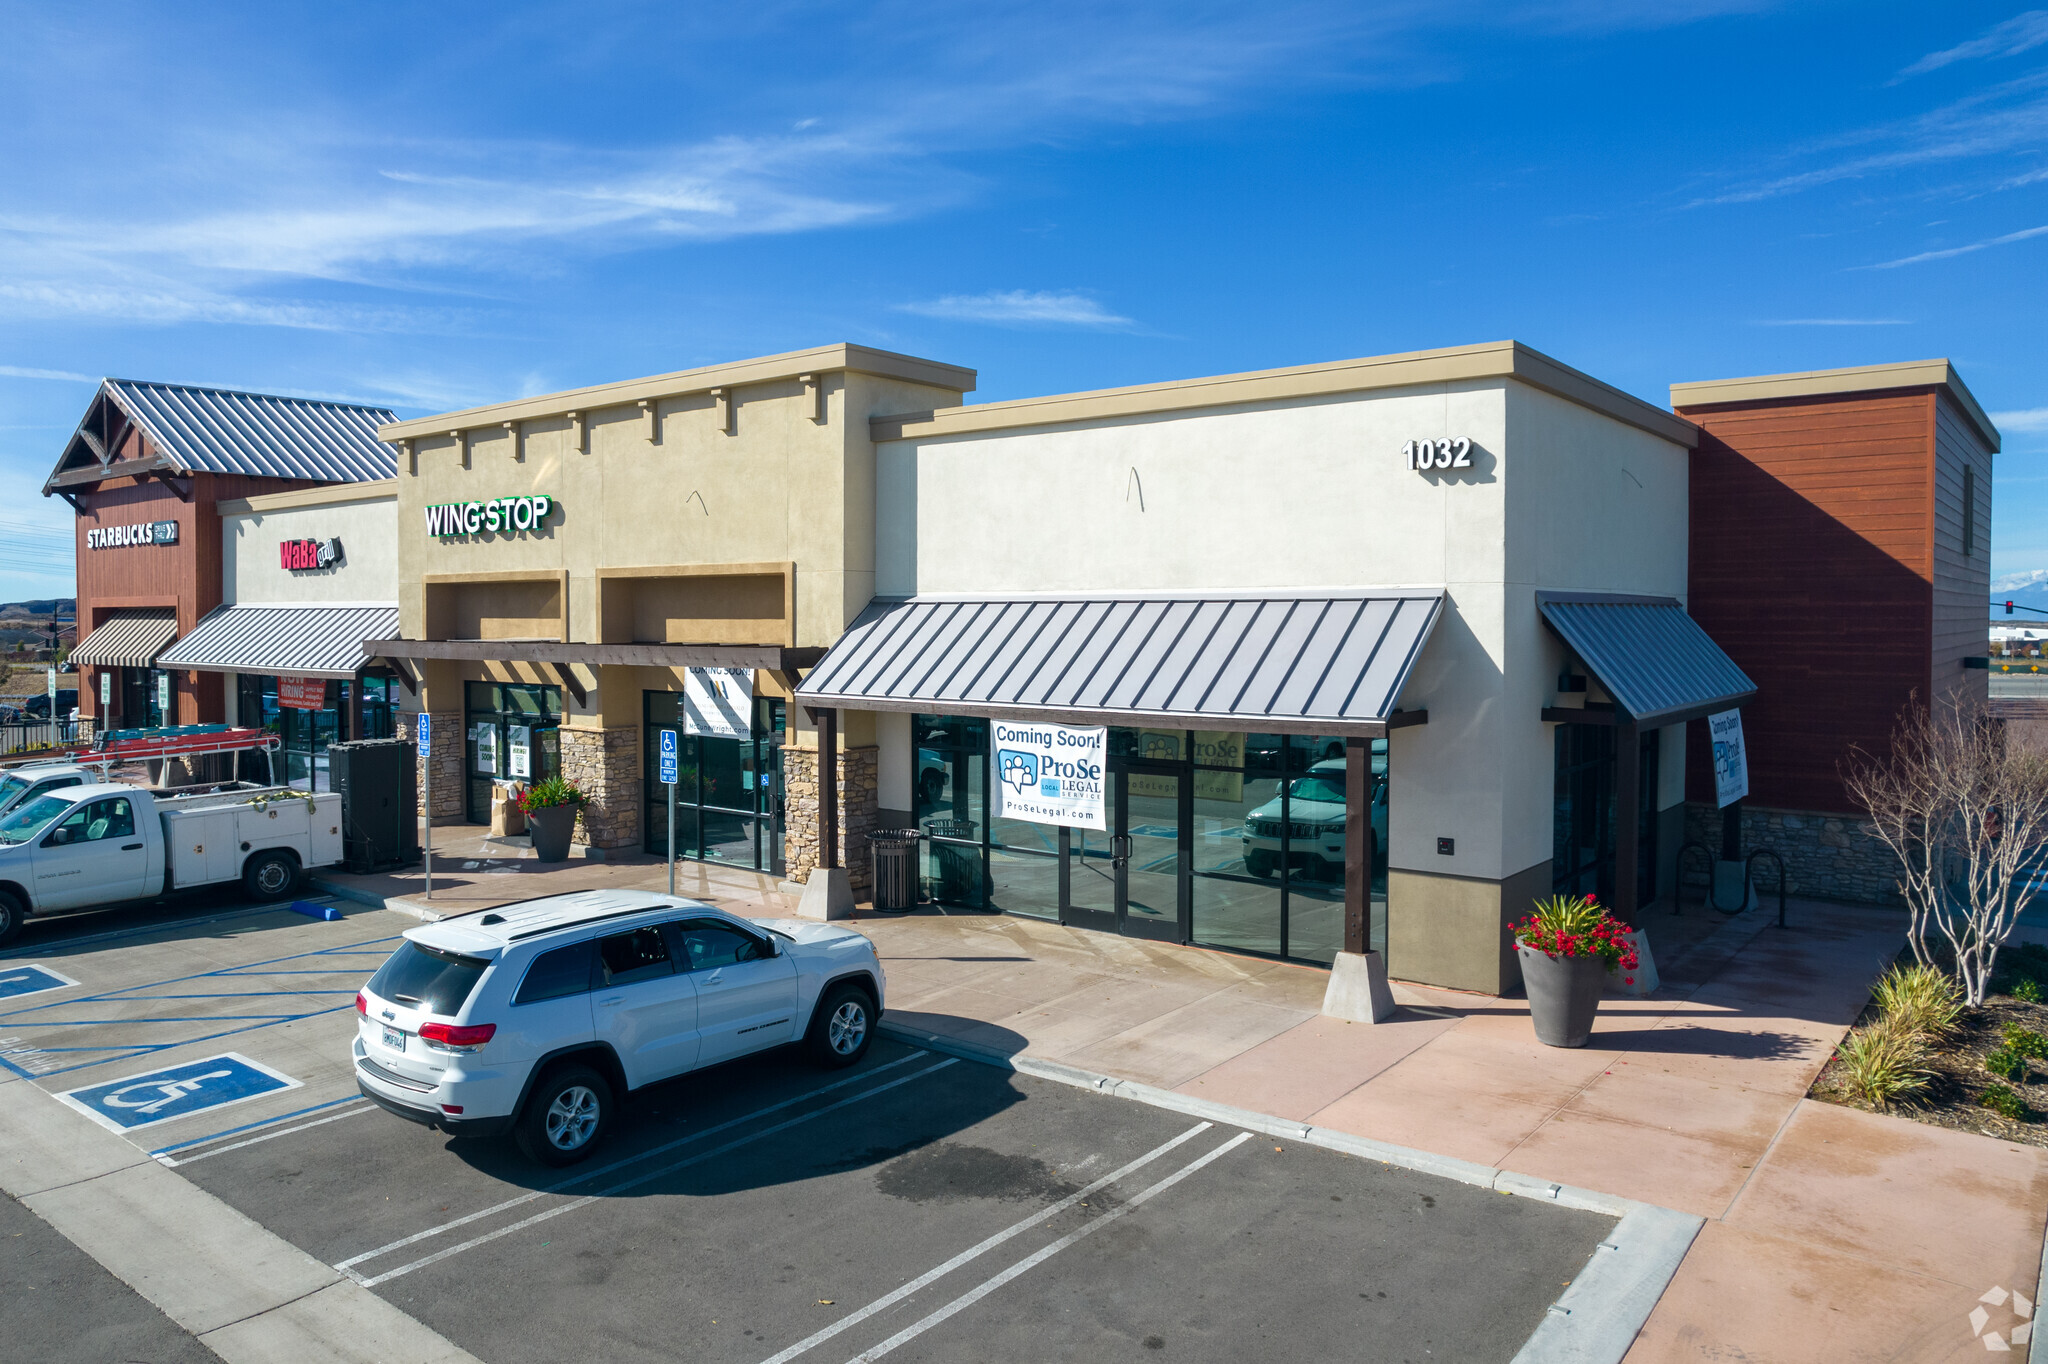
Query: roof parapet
(1857, 379)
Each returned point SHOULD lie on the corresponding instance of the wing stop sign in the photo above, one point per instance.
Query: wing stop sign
(1731, 763)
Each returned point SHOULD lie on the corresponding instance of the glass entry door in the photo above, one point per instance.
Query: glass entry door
(1129, 878)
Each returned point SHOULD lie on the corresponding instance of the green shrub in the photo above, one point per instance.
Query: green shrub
(1921, 999)
(2004, 1103)
(2006, 1064)
(1882, 1062)
(2026, 990)
(2025, 1042)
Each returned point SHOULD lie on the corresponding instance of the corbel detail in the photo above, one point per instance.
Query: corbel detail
(412, 457)
(518, 451)
(652, 408)
(461, 439)
(723, 397)
(576, 432)
(814, 393)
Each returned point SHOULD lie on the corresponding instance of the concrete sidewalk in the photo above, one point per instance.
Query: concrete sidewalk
(1831, 1234)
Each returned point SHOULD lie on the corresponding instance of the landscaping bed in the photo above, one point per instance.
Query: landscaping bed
(1998, 1052)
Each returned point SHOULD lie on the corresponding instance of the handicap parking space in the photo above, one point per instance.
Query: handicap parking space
(917, 1207)
(220, 1017)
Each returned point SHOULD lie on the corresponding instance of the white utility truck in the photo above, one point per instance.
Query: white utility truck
(100, 844)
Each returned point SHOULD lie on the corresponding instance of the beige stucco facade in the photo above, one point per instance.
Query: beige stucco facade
(361, 515)
(726, 508)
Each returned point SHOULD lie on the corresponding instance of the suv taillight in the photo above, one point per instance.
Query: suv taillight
(452, 1035)
(362, 1004)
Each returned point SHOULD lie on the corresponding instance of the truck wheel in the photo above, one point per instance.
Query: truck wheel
(842, 1027)
(271, 875)
(11, 915)
(565, 1117)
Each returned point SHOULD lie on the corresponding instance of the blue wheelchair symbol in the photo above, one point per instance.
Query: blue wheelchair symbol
(30, 980)
(176, 1091)
(424, 734)
(668, 743)
(1017, 770)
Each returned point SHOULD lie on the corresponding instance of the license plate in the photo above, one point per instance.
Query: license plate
(394, 1039)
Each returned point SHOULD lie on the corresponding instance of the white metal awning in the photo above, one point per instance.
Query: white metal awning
(300, 640)
(1330, 663)
(130, 638)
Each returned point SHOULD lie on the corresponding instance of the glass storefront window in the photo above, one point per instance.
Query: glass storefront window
(491, 712)
(1244, 833)
(728, 791)
(1239, 892)
(305, 734)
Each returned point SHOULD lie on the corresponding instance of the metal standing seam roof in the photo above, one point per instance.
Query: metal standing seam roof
(223, 432)
(129, 638)
(1653, 658)
(323, 640)
(1327, 662)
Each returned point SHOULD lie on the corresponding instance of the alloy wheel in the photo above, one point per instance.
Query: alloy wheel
(572, 1118)
(848, 1026)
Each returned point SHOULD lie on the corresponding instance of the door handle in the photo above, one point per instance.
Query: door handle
(131, 847)
(613, 1002)
(1120, 849)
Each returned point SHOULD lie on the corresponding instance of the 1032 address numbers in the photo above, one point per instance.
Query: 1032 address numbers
(1453, 453)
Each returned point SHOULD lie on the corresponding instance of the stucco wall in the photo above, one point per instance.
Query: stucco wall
(1315, 493)
(782, 488)
(368, 571)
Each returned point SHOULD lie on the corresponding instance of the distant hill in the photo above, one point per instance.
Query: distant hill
(42, 607)
(2021, 589)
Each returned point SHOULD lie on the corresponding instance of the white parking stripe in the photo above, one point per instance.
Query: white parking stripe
(637, 1180)
(174, 1163)
(889, 1300)
(1029, 1262)
(585, 1176)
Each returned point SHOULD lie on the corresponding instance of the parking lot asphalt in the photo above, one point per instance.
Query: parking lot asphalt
(751, 1209)
(917, 1207)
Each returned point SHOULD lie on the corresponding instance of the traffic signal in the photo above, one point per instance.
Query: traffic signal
(2008, 608)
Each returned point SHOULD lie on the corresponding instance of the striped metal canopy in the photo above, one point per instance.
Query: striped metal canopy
(1653, 658)
(299, 640)
(129, 638)
(1311, 663)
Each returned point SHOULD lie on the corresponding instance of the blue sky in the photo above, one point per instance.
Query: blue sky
(427, 207)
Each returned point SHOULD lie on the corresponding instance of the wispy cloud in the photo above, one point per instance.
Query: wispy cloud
(65, 375)
(1021, 307)
(1994, 122)
(230, 200)
(1832, 322)
(1946, 252)
(2031, 420)
(2021, 33)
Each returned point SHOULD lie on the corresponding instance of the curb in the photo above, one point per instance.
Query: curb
(364, 897)
(1594, 1321)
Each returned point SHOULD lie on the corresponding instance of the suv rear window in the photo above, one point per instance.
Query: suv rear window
(435, 981)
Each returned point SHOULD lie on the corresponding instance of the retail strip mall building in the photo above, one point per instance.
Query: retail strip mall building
(1386, 648)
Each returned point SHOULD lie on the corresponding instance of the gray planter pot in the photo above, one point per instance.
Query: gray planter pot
(1564, 995)
(551, 828)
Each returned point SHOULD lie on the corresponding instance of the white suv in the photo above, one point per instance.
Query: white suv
(536, 1018)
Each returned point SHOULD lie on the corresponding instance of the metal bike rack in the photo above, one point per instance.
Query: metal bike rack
(1748, 872)
(1678, 891)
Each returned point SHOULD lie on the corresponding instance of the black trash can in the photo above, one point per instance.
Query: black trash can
(895, 854)
(958, 864)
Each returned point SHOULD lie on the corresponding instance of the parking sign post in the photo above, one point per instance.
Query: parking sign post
(668, 779)
(424, 737)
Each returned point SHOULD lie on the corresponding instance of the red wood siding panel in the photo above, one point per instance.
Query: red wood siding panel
(185, 577)
(1812, 565)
